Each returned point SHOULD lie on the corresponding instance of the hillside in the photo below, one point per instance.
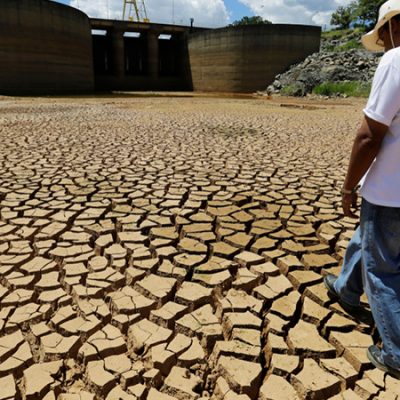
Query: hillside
(342, 67)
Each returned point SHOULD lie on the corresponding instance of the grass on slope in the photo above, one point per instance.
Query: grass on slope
(335, 34)
(350, 89)
(349, 37)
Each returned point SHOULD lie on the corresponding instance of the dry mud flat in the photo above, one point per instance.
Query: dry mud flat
(174, 249)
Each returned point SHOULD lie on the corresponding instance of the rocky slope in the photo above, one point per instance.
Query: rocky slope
(327, 66)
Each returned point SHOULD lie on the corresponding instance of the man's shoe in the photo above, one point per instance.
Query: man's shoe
(375, 356)
(329, 281)
(359, 313)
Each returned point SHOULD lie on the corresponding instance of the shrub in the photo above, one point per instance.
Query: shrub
(296, 89)
(336, 33)
(351, 44)
(351, 89)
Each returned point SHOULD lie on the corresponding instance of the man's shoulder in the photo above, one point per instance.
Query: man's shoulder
(391, 57)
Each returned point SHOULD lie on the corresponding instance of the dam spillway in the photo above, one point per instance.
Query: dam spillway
(51, 48)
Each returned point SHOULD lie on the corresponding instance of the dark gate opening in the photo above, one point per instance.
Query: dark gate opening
(170, 55)
(102, 53)
(136, 57)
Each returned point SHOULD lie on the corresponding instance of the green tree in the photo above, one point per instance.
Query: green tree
(367, 11)
(343, 17)
(256, 20)
(358, 13)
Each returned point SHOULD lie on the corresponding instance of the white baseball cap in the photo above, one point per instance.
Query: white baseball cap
(387, 11)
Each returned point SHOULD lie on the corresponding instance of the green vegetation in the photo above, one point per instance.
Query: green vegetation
(344, 16)
(337, 33)
(351, 89)
(358, 13)
(351, 44)
(256, 20)
(293, 90)
(368, 11)
(349, 37)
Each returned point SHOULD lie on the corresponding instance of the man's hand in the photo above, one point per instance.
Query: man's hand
(349, 201)
(366, 147)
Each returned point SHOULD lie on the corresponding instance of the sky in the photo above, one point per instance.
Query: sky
(217, 13)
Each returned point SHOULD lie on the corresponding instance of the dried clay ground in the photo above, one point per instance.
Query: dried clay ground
(174, 248)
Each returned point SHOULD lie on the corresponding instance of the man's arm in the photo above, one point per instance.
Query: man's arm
(366, 147)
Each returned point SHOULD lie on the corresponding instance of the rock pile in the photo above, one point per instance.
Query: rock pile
(351, 65)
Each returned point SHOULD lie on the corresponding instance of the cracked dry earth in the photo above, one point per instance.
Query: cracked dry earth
(174, 248)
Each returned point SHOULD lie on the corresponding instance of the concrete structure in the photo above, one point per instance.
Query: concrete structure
(247, 58)
(48, 48)
(45, 48)
(140, 56)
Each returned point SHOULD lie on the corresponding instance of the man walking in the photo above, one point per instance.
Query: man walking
(372, 260)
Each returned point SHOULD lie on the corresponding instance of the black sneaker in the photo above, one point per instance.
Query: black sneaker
(359, 313)
(375, 356)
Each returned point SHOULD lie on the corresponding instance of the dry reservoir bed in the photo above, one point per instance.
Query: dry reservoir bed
(174, 248)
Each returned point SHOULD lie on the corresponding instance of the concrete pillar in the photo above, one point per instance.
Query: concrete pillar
(153, 54)
(118, 53)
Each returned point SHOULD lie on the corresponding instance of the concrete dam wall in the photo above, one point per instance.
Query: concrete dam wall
(247, 58)
(140, 56)
(50, 48)
(45, 48)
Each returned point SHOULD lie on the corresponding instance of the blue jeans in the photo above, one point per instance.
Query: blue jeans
(372, 263)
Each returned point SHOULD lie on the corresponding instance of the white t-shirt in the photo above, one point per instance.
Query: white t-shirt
(381, 185)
